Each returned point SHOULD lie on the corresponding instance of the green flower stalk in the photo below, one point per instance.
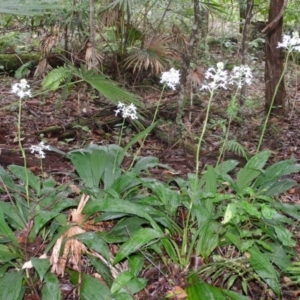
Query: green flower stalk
(22, 90)
(168, 79)
(290, 43)
(127, 111)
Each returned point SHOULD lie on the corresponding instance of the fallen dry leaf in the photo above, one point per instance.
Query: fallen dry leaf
(177, 293)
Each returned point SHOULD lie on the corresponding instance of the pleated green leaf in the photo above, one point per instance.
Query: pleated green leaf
(11, 285)
(41, 266)
(201, 291)
(33, 181)
(92, 289)
(5, 229)
(262, 266)
(139, 239)
(51, 290)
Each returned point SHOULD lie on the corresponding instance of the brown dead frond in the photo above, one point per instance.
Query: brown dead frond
(92, 57)
(111, 17)
(72, 248)
(179, 39)
(196, 76)
(42, 68)
(153, 56)
(72, 251)
(49, 41)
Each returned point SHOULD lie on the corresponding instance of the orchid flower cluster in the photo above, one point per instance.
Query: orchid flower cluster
(217, 77)
(170, 78)
(127, 111)
(40, 149)
(290, 42)
(21, 89)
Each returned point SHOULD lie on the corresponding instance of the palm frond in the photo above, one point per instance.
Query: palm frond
(154, 55)
(196, 76)
(104, 85)
(30, 7)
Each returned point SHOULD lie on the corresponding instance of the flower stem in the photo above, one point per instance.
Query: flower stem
(23, 151)
(153, 120)
(272, 102)
(186, 227)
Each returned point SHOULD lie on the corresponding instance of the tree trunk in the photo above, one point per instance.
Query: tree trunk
(274, 61)
(187, 57)
(204, 19)
(245, 43)
(243, 14)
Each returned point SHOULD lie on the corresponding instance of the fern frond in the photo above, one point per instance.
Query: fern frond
(53, 79)
(236, 147)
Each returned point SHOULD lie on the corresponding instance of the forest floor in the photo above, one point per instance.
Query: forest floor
(52, 118)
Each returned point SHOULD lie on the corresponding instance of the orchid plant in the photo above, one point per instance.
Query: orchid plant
(127, 111)
(290, 43)
(22, 90)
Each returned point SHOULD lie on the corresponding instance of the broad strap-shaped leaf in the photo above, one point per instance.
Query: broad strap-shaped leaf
(122, 231)
(245, 177)
(285, 236)
(291, 210)
(226, 166)
(171, 248)
(92, 289)
(201, 291)
(5, 229)
(122, 296)
(125, 182)
(277, 170)
(102, 268)
(51, 290)
(279, 256)
(6, 178)
(208, 239)
(136, 263)
(33, 181)
(278, 187)
(12, 214)
(118, 206)
(263, 267)
(258, 161)
(140, 136)
(122, 279)
(41, 265)
(139, 239)
(95, 241)
(11, 285)
(134, 286)
(144, 163)
(6, 255)
(89, 164)
(210, 178)
(40, 220)
(168, 198)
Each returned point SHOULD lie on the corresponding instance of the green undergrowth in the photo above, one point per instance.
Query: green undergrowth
(236, 226)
